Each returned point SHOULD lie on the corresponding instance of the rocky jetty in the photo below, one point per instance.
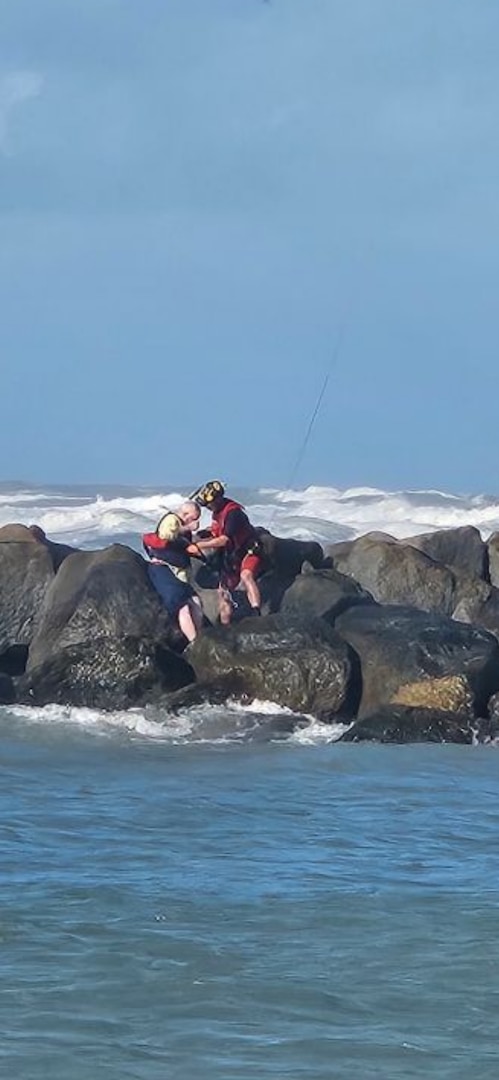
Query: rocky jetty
(396, 640)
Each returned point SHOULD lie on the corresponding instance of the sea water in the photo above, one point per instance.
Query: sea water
(206, 895)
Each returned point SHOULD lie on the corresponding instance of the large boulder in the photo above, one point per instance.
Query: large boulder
(409, 657)
(461, 549)
(102, 636)
(403, 724)
(106, 673)
(300, 664)
(397, 573)
(344, 548)
(323, 594)
(16, 533)
(26, 571)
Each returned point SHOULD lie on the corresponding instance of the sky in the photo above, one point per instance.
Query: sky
(211, 211)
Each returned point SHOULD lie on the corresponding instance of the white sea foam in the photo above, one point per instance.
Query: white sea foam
(316, 733)
(326, 514)
(317, 513)
(233, 722)
(79, 520)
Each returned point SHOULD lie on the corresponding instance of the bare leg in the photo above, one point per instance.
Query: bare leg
(251, 588)
(187, 623)
(196, 612)
(224, 606)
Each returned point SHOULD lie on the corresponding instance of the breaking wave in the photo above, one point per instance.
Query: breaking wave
(91, 518)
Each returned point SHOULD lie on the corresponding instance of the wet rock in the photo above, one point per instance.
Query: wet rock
(487, 728)
(105, 673)
(103, 638)
(493, 710)
(13, 661)
(402, 724)
(420, 659)
(7, 690)
(302, 665)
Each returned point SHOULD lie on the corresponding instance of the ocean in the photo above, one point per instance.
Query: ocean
(208, 896)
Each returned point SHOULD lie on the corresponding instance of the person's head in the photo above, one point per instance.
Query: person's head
(211, 495)
(189, 513)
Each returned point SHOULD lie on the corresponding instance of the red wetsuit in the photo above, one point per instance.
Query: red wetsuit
(242, 552)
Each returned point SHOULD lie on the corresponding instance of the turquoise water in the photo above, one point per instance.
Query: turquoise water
(231, 912)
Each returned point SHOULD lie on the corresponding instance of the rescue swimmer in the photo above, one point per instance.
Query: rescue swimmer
(232, 534)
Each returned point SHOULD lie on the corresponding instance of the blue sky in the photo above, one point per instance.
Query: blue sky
(196, 195)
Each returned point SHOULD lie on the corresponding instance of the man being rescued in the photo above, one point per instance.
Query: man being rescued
(232, 534)
(169, 549)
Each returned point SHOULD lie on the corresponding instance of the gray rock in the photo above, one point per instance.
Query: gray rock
(323, 594)
(461, 549)
(396, 573)
(26, 571)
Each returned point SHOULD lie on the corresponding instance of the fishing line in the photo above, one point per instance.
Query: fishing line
(315, 413)
(313, 418)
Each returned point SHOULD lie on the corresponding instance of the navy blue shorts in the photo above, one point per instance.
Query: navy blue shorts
(174, 593)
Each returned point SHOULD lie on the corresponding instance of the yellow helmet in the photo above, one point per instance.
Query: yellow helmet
(206, 495)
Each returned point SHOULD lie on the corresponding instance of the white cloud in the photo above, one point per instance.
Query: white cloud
(16, 87)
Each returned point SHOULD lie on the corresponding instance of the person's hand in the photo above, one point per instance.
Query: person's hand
(195, 550)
